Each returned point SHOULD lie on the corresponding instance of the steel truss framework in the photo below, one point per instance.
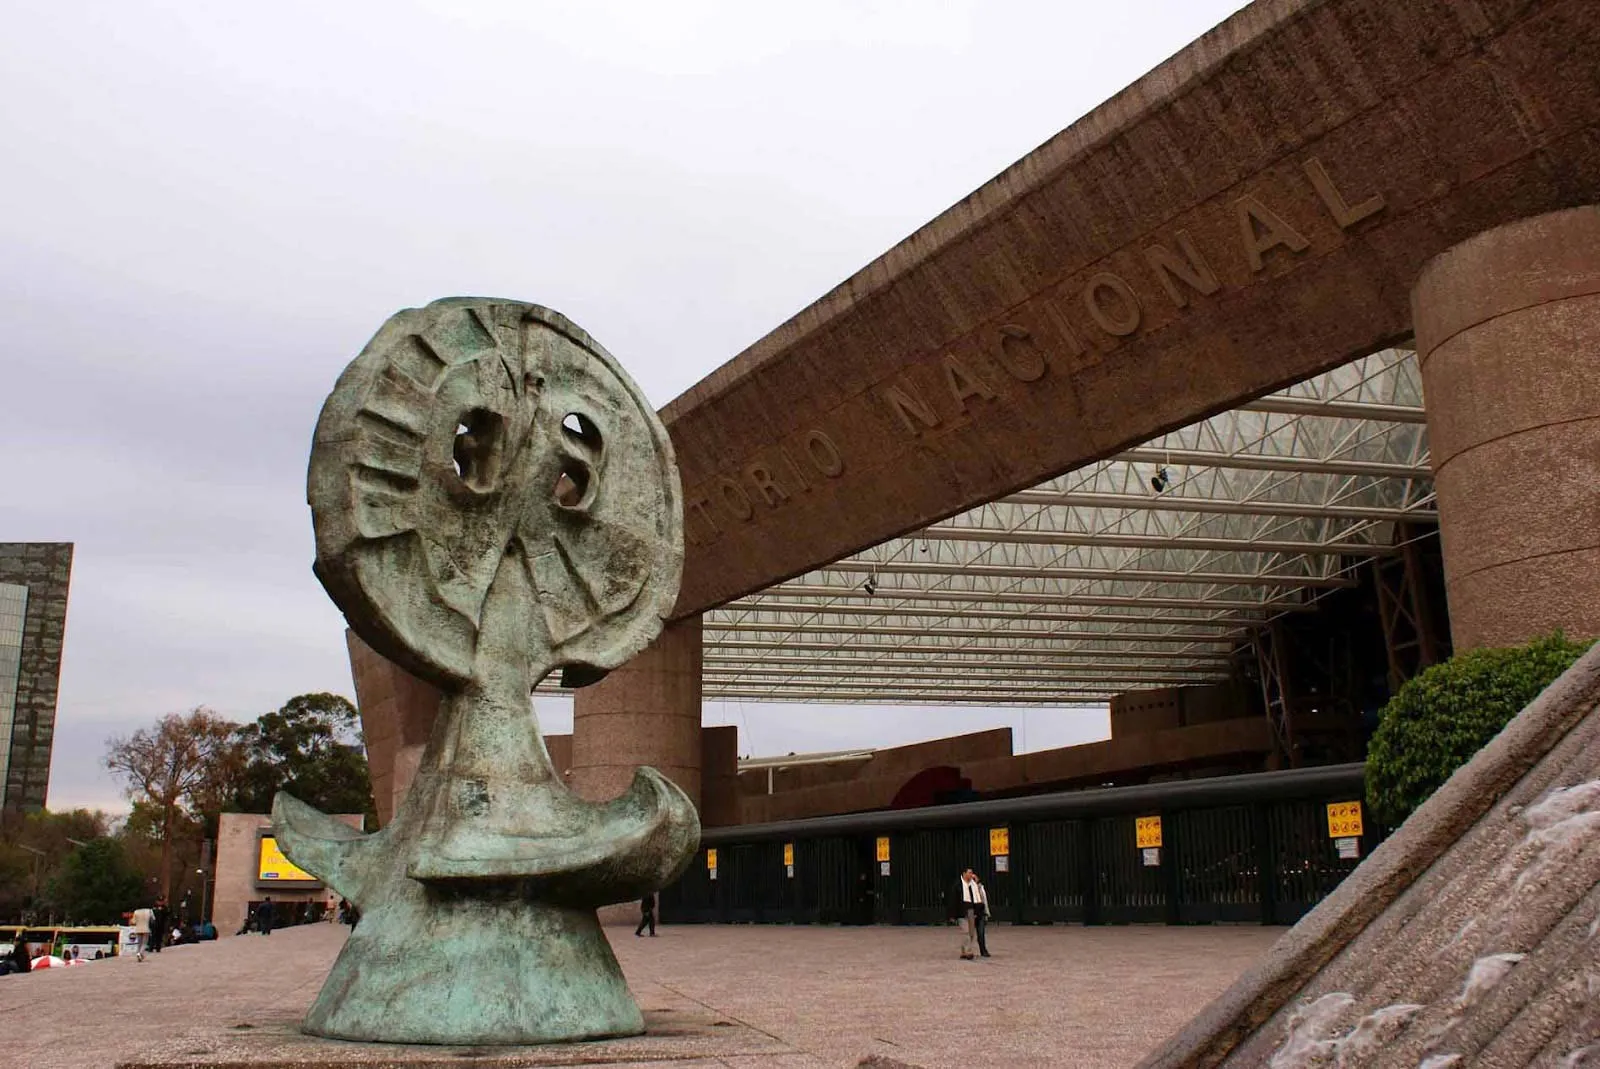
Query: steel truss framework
(1101, 581)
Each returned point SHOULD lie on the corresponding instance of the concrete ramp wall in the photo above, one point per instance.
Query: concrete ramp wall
(1470, 938)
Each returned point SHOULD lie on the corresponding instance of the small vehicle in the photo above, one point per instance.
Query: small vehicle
(91, 942)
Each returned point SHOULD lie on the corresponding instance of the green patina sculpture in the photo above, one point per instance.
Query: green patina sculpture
(493, 500)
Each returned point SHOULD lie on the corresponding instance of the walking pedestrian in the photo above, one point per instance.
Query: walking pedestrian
(647, 911)
(975, 915)
(264, 916)
(141, 931)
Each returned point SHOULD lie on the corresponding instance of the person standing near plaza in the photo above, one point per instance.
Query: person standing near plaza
(159, 925)
(21, 961)
(647, 911)
(864, 900)
(264, 916)
(975, 915)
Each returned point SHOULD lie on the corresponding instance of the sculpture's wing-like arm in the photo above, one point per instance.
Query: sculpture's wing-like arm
(340, 856)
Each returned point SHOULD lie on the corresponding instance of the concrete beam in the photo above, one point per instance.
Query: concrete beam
(1250, 213)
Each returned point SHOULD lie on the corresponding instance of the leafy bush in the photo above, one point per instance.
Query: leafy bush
(1448, 712)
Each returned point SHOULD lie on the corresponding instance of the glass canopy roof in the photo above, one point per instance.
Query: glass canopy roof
(1143, 570)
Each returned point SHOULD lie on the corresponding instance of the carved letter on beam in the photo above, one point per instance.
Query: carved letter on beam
(1018, 355)
(911, 408)
(799, 473)
(965, 383)
(1190, 269)
(736, 499)
(824, 454)
(771, 492)
(700, 509)
(1261, 229)
(1118, 321)
(1345, 214)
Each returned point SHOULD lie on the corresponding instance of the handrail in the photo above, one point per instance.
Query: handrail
(1145, 798)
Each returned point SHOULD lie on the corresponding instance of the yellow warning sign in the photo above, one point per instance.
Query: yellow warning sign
(711, 859)
(999, 842)
(1147, 832)
(1344, 820)
(883, 848)
(788, 853)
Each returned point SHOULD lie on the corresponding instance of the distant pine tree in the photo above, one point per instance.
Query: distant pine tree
(312, 748)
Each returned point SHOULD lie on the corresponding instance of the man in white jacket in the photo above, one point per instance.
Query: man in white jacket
(142, 919)
(975, 909)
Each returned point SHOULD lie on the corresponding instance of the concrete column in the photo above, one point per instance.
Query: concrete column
(397, 715)
(1508, 333)
(645, 713)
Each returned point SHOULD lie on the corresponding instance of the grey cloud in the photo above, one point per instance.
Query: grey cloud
(211, 207)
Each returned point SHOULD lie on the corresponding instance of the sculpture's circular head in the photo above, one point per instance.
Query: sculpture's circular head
(485, 479)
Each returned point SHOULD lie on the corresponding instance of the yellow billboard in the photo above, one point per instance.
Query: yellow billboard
(275, 868)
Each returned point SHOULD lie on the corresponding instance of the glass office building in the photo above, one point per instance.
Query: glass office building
(13, 606)
(34, 577)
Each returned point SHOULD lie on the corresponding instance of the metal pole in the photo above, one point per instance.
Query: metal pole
(205, 863)
(37, 855)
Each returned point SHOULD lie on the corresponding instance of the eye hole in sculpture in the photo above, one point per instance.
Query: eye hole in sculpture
(583, 440)
(571, 485)
(582, 428)
(476, 450)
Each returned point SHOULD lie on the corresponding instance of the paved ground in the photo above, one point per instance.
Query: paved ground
(753, 997)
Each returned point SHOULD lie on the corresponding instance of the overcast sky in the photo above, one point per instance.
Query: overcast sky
(207, 208)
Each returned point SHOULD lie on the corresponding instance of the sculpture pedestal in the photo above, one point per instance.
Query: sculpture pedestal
(478, 901)
(453, 969)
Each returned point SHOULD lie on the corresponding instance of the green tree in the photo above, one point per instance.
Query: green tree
(311, 748)
(16, 882)
(33, 847)
(180, 769)
(1444, 715)
(97, 884)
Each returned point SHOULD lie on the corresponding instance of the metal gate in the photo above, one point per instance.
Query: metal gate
(1126, 890)
(1306, 867)
(1054, 870)
(1217, 854)
(1232, 849)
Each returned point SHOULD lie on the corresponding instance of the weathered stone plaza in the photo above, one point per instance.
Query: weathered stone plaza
(736, 997)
